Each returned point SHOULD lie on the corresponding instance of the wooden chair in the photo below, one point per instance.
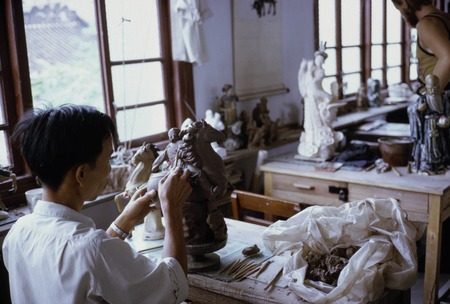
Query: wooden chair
(243, 201)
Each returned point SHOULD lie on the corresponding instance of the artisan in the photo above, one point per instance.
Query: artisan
(56, 254)
(433, 38)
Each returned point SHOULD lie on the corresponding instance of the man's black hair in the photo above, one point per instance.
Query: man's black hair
(55, 140)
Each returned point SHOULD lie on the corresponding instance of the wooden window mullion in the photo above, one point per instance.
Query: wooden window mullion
(339, 77)
(384, 70)
(367, 42)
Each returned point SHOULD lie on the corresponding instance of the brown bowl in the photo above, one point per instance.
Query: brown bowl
(396, 151)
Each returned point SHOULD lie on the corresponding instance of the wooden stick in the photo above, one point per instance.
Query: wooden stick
(229, 266)
(275, 278)
(245, 270)
(370, 167)
(263, 267)
(233, 265)
(408, 168)
(150, 248)
(239, 266)
(396, 171)
(247, 273)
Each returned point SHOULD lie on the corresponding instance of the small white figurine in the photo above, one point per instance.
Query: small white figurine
(214, 119)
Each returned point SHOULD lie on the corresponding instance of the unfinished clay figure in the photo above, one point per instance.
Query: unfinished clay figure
(143, 159)
(208, 179)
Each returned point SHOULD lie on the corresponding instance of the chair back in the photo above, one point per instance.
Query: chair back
(244, 201)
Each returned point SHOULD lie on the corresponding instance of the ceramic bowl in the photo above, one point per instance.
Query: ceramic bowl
(396, 151)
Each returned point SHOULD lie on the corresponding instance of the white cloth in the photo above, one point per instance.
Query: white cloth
(378, 227)
(56, 255)
(187, 17)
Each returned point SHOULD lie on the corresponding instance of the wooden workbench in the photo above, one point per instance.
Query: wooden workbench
(424, 199)
(208, 289)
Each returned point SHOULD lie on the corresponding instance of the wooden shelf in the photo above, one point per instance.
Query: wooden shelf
(354, 118)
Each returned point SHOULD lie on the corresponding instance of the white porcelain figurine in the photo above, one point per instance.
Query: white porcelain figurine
(318, 140)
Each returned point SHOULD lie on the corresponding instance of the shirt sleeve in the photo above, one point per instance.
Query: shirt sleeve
(124, 276)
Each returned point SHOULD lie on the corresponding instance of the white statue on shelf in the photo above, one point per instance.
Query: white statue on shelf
(318, 140)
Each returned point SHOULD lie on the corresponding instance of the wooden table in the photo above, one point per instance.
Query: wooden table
(206, 289)
(424, 198)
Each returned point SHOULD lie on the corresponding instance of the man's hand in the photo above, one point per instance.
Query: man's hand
(174, 189)
(135, 211)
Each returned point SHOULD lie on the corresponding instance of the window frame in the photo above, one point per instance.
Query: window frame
(16, 85)
(366, 43)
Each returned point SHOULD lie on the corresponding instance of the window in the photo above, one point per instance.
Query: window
(113, 54)
(358, 42)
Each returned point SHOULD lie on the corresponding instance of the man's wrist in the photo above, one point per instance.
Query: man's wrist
(119, 231)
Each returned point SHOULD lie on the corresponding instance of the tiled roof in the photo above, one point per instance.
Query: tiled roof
(54, 35)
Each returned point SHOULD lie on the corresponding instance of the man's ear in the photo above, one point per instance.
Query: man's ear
(80, 174)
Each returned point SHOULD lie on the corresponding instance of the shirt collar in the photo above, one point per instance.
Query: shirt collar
(45, 208)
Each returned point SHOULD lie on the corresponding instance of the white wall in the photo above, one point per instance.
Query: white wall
(298, 43)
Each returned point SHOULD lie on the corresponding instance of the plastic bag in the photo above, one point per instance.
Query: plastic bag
(387, 257)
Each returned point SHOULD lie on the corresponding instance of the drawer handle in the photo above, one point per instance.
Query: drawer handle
(304, 187)
(343, 192)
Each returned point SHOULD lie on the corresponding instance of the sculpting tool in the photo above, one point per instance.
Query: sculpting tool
(275, 278)
(150, 248)
(263, 267)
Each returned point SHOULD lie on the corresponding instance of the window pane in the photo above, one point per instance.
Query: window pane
(413, 34)
(327, 22)
(413, 74)
(377, 22)
(351, 22)
(62, 45)
(413, 51)
(330, 63)
(394, 52)
(351, 60)
(138, 83)
(413, 71)
(2, 99)
(141, 122)
(377, 74)
(4, 154)
(377, 56)
(133, 29)
(393, 23)
(393, 75)
(352, 83)
(326, 83)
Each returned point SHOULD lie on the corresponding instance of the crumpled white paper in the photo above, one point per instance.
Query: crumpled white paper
(387, 257)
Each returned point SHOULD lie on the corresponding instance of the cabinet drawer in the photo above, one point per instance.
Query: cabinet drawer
(415, 204)
(305, 190)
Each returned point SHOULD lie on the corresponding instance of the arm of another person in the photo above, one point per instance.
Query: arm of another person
(434, 37)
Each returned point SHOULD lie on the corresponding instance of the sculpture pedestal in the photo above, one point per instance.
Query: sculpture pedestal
(201, 257)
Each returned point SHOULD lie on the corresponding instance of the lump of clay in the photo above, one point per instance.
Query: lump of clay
(250, 250)
(327, 267)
